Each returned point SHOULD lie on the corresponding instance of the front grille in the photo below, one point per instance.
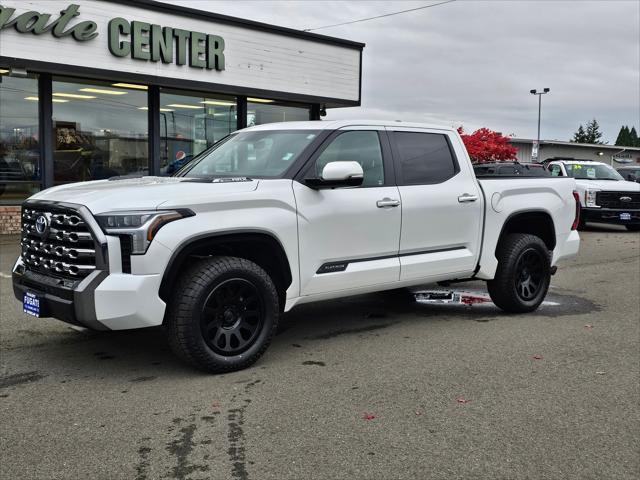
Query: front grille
(612, 200)
(64, 246)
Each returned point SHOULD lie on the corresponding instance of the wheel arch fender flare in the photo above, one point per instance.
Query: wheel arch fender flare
(535, 218)
(199, 242)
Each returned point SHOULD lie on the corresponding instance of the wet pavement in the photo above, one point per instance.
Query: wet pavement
(368, 387)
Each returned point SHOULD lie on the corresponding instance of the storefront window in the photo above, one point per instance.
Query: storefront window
(100, 130)
(19, 141)
(190, 124)
(260, 111)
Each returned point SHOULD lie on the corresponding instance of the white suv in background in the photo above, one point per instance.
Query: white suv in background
(605, 196)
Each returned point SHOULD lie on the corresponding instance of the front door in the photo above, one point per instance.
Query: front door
(442, 206)
(349, 237)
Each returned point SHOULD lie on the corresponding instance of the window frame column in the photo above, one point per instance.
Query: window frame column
(153, 120)
(45, 128)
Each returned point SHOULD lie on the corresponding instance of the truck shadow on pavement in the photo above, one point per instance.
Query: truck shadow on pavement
(144, 354)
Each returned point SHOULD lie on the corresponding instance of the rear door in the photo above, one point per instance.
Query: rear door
(349, 237)
(442, 205)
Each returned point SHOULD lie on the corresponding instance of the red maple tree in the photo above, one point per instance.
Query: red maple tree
(485, 145)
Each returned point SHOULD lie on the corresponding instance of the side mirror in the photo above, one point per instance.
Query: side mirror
(338, 174)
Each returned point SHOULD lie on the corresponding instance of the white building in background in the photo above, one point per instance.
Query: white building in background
(556, 149)
(90, 89)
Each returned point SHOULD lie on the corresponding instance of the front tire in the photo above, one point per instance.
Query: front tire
(223, 314)
(523, 274)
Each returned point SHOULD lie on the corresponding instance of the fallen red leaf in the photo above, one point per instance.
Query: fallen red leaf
(537, 357)
(462, 400)
(368, 416)
(472, 300)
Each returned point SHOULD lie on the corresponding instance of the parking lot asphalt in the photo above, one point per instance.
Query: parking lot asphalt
(369, 387)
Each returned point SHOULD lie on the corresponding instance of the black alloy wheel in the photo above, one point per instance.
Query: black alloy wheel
(223, 313)
(232, 316)
(529, 274)
(523, 275)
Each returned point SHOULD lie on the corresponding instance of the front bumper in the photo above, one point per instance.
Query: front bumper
(609, 215)
(106, 298)
(101, 301)
(71, 302)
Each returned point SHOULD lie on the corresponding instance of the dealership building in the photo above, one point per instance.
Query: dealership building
(614, 155)
(90, 89)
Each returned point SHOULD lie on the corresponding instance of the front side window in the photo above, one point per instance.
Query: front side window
(556, 171)
(100, 130)
(425, 158)
(356, 146)
(258, 154)
(20, 172)
(510, 170)
(586, 171)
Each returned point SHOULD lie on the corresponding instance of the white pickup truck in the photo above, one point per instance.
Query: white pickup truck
(283, 214)
(605, 196)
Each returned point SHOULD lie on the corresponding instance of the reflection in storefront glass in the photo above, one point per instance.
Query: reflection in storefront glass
(261, 111)
(19, 138)
(100, 131)
(191, 124)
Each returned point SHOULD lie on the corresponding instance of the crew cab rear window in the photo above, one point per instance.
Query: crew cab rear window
(423, 158)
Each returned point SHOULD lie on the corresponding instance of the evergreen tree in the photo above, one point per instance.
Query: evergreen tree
(580, 136)
(634, 141)
(593, 133)
(623, 136)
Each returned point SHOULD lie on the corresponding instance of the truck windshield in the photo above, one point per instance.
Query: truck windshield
(261, 154)
(587, 171)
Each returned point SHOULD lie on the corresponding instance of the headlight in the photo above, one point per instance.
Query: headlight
(141, 226)
(590, 198)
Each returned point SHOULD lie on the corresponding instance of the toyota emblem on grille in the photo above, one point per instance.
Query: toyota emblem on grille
(625, 199)
(42, 225)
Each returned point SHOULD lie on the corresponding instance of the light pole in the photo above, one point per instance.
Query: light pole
(539, 94)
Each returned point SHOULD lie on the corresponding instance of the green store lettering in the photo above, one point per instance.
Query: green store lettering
(139, 40)
(150, 42)
(38, 23)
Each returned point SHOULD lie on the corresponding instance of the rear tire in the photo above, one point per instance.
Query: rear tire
(633, 228)
(523, 274)
(223, 314)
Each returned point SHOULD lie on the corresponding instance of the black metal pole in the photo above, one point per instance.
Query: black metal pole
(539, 112)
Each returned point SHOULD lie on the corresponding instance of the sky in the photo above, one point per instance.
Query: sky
(473, 62)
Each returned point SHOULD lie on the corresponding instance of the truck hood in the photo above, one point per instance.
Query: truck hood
(142, 193)
(608, 185)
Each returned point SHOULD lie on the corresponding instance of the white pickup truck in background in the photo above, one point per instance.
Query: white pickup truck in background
(283, 214)
(605, 196)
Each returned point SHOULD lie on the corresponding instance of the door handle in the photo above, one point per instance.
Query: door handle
(466, 198)
(387, 202)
